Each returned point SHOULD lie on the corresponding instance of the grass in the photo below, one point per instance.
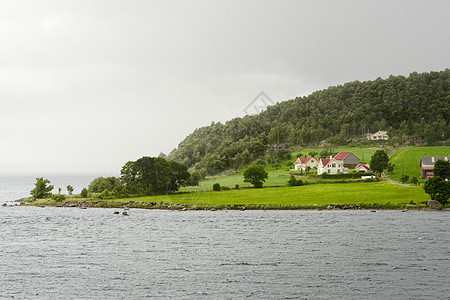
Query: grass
(309, 195)
(409, 160)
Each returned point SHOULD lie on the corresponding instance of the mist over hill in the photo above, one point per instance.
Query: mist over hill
(416, 107)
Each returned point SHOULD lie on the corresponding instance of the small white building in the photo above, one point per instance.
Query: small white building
(378, 136)
(330, 166)
(302, 163)
(363, 167)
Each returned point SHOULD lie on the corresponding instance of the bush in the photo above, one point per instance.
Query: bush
(58, 198)
(237, 186)
(216, 187)
(224, 188)
(294, 182)
(404, 178)
(84, 193)
(104, 195)
(353, 175)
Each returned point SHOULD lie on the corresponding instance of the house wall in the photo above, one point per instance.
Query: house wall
(351, 161)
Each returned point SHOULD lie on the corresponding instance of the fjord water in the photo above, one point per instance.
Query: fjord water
(19, 186)
(69, 253)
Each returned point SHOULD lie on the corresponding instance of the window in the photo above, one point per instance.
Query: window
(333, 165)
(329, 171)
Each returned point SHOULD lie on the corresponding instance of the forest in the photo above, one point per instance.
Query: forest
(414, 108)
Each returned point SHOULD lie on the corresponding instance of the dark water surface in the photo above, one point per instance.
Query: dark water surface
(62, 253)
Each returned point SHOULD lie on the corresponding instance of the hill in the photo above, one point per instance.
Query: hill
(414, 107)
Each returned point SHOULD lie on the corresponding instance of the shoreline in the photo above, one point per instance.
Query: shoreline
(185, 207)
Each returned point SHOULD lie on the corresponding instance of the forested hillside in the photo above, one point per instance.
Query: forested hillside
(416, 107)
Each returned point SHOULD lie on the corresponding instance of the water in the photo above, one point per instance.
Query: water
(67, 253)
(17, 186)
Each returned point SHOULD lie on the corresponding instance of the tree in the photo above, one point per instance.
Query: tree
(442, 169)
(255, 175)
(84, 193)
(42, 190)
(70, 189)
(379, 161)
(438, 189)
(100, 184)
(153, 175)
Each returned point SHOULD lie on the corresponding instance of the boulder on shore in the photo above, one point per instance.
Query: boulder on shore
(434, 204)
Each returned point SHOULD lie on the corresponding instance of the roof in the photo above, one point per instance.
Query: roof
(429, 161)
(341, 155)
(363, 165)
(325, 161)
(304, 160)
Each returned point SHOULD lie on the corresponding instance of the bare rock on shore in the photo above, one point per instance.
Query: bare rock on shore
(433, 204)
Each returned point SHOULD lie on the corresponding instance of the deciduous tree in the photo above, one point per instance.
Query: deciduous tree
(255, 175)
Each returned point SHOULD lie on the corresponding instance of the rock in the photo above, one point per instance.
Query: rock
(125, 213)
(116, 212)
(433, 204)
(4, 204)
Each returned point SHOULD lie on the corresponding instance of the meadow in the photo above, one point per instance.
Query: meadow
(408, 160)
(382, 193)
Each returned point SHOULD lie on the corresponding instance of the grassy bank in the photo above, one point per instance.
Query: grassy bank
(354, 195)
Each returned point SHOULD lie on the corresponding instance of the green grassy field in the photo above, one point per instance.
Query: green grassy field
(409, 160)
(315, 194)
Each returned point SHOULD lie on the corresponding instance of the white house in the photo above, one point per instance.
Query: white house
(302, 163)
(378, 136)
(330, 166)
(363, 167)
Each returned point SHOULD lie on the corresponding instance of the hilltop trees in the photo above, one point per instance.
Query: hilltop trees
(415, 107)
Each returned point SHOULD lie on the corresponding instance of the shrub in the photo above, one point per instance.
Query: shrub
(294, 182)
(58, 198)
(216, 187)
(84, 193)
(237, 186)
(224, 188)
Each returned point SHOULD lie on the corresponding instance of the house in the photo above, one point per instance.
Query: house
(347, 159)
(330, 166)
(363, 167)
(278, 147)
(427, 166)
(302, 163)
(378, 136)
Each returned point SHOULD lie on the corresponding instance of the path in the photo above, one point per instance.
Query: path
(385, 176)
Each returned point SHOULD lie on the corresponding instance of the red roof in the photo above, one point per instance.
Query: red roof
(325, 161)
(364, 166)
(304, 160)
(341, 155)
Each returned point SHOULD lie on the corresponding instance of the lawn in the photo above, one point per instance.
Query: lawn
(408, 160)
(314, 194)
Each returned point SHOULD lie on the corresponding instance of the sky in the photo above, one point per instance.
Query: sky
(86, 86)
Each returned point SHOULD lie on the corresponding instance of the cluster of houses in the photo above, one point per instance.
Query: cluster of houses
(341, 163)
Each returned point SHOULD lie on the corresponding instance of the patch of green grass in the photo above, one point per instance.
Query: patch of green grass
(309, 195)
(409, 160)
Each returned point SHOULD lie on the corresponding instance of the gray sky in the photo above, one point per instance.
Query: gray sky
(86, 86)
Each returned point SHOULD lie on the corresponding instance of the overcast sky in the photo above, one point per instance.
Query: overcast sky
(86, 86)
